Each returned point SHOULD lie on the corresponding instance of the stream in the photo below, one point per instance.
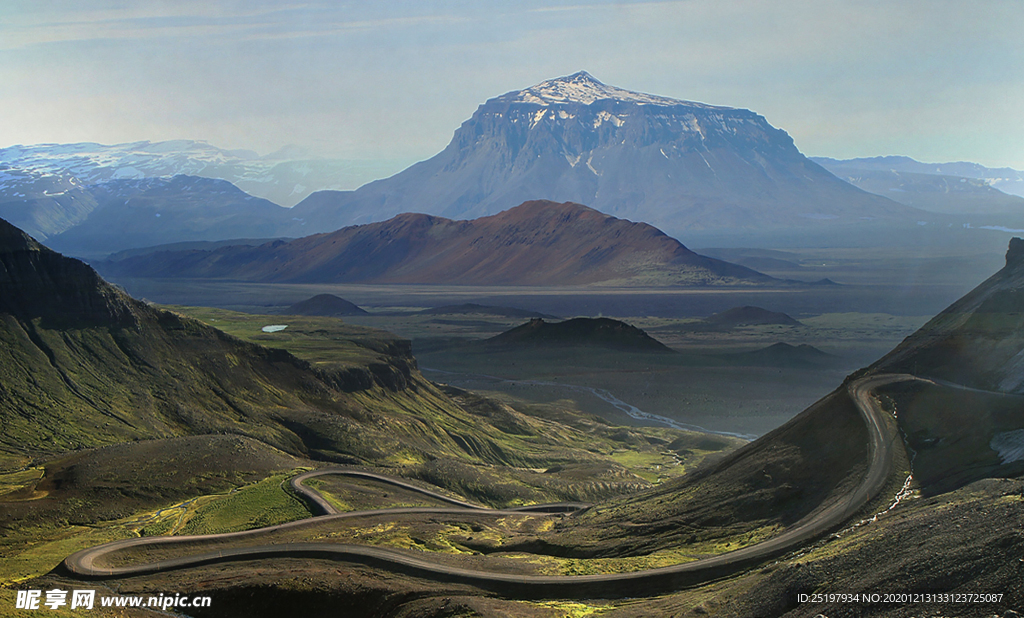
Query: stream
(629, 409)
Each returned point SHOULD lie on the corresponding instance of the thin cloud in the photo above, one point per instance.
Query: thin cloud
(254, 25)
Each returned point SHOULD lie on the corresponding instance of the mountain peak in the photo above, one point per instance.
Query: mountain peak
(580, 78)
(583, 88)
(13, 239)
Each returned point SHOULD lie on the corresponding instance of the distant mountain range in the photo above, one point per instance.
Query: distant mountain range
(678, 165)
(1005, 179)
(702, 173)
(98, 219)
(284, 177)
(536, 243)
(940, 187)
(154, 211)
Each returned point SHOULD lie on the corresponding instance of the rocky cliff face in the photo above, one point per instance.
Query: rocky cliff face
(678, 165)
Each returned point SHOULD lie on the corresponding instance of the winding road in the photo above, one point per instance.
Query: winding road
(883, 437)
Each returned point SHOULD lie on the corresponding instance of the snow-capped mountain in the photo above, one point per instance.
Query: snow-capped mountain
(680, 165)
(582, 88)
(284, 177)
(92, 163)
(98, 219)
(71, 196)
(43, 203)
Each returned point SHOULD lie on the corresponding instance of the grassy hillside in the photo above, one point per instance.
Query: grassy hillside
(443, 436)
(85, 498)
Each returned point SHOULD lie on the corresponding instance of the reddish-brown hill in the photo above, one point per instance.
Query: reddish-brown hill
(536, 243)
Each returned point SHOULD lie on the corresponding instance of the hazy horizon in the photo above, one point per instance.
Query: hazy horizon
(934, 81)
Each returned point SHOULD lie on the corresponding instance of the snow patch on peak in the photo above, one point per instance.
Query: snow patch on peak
(603, 117)
(1009, 445)
(582, 88)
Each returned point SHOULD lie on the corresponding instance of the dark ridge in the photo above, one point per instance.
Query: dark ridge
(91, 366)
(325, 305)
(192, 245)
(750, 316)
(583, 332)
(473, 308)
(786, 355)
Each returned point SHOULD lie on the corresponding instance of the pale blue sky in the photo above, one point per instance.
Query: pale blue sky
(937, 80)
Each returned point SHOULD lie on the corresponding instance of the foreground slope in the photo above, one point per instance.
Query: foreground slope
(535, 243)
(958, 541)
(84, 365)
(966, 422)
